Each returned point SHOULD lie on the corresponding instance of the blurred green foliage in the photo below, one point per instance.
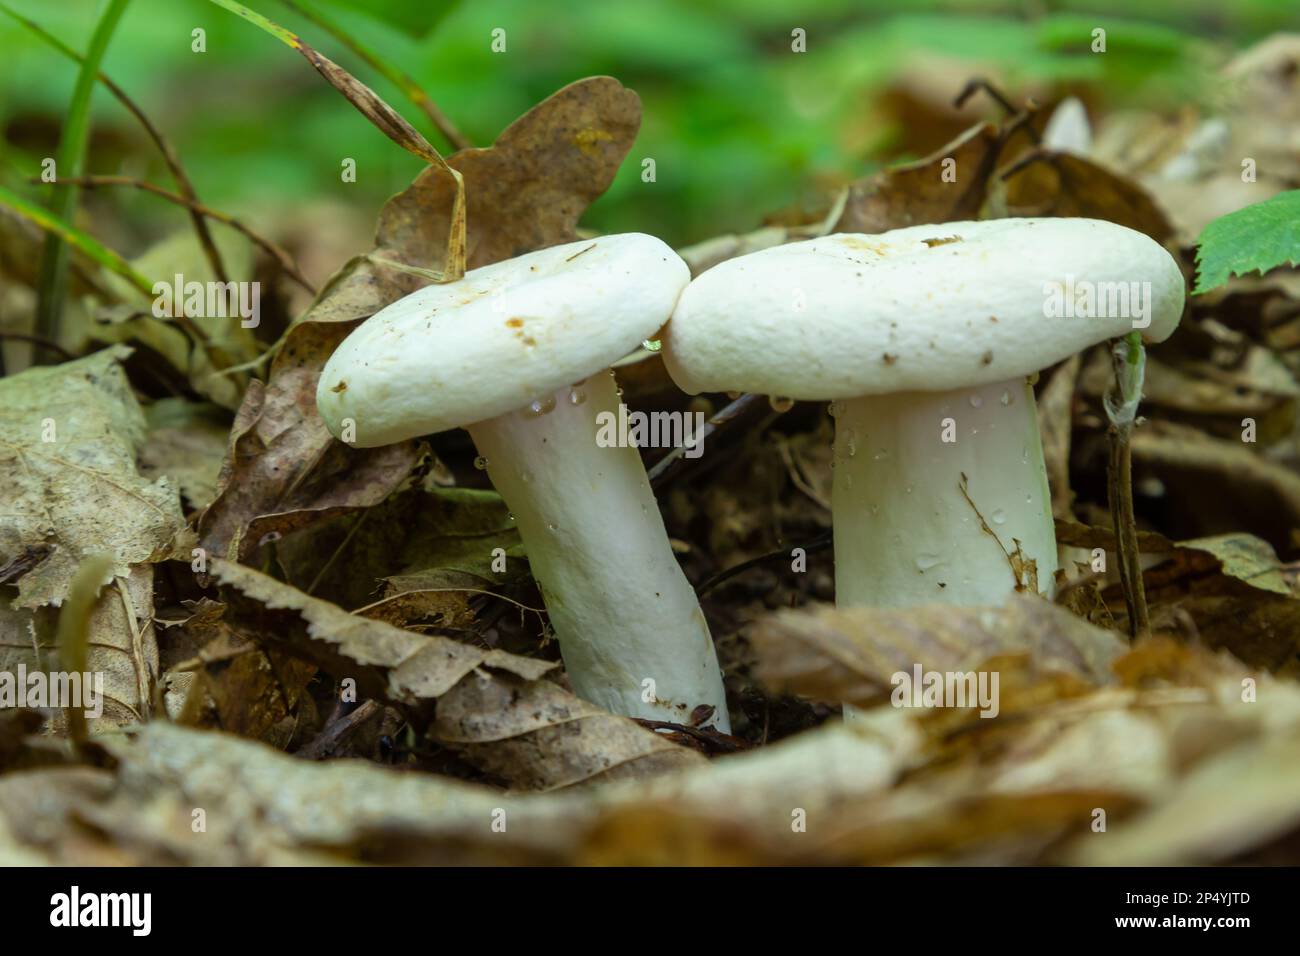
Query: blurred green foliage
(737, 123)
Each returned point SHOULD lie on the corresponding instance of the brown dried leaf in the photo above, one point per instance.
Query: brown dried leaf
(406, 669)
(1221, 811)
(122, 646)
(538, 736)
(283, 470)
(917, 193)
(263, 808)
(187, 443)
(244, 689)
(419, 539)
(1225, 484)
(68, 440)
(1062, 184)
(851, 654)
(1056, 423)
(527, 191)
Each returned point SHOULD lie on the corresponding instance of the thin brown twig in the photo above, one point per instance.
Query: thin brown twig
(279, 253)
(980, 83)
(820, 543)
(338, 730)
(1120, 488)
(730, 413)
(1121, 403)
(40, 340)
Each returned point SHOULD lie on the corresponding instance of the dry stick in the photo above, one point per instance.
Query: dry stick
(728, 414)
(387, 120)
(1129, 359)
(338, 730)
(398, 78)
(819, 543)
(38, 340)
(980, 83)
(280, 254)
(169, 155)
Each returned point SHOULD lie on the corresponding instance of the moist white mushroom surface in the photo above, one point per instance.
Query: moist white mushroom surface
(518, 352)
(923, 338)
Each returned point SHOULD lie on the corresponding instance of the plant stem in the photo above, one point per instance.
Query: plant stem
(1129, 359)
(183, 184)
(410, 89)
(281, 255)
(70, 161)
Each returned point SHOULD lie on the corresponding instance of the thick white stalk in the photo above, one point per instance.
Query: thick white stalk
(905, 533)
(630, 628)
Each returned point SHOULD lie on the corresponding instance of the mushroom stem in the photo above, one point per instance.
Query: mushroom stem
(631, 631)
(909, 528)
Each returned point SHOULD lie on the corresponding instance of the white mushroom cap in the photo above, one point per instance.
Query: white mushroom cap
(926, 308)
(500, 338)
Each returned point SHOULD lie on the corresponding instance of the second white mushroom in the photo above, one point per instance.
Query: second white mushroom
(923, 338)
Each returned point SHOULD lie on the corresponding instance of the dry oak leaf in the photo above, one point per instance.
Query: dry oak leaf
(525, 192)
(1064, 185)
(283, 470)
(402, 667)
(265, 808)
(533, 735)
(538, 736)
(69, 435)
(122, 648)
(187, 443)
(918, 193)
(851, 654)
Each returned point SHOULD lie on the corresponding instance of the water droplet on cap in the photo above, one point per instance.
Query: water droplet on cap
(542, 406)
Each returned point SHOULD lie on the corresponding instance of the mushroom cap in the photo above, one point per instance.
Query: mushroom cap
(503, 336)
(926, 308)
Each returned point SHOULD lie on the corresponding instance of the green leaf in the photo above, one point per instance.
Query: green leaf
(1259, 237)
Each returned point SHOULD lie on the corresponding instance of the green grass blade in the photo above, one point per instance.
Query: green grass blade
(169, 156)
(386, 119)
(70, 161)
(68, 235)
(366, 100)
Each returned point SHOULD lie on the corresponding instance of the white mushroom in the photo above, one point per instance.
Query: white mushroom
(923, 338)
(518, 352)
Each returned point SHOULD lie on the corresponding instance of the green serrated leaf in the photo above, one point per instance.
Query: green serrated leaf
(1257, 238)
